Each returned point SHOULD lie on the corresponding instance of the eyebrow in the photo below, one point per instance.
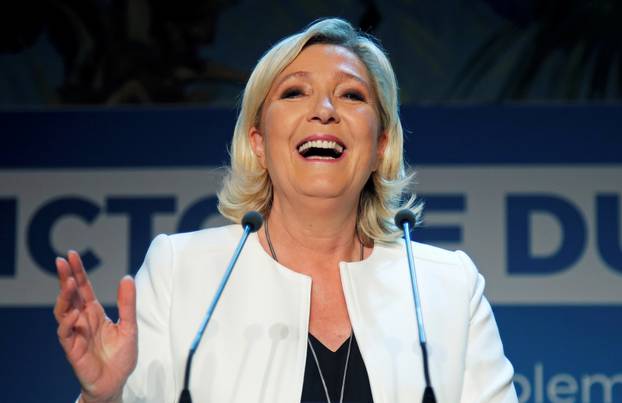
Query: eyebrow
(341, 75)
(300, 74)
(344, 75)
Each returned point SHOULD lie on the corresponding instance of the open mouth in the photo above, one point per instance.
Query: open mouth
(321, 149)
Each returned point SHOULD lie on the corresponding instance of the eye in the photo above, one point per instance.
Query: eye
(354, 95)
(293, 92)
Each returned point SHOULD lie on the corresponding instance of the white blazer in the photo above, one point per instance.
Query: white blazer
(254, 349)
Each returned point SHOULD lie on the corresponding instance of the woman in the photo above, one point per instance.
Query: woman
(319, 307)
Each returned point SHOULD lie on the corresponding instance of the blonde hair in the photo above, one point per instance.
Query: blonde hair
(247, 185)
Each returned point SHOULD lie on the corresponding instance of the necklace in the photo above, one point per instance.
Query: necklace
(345, 370)
(317, 362)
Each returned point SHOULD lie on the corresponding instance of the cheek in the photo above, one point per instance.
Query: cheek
(367, 124)
(279, 121)
(283, 111)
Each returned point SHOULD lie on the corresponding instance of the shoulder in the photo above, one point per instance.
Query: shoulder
(207, 239)
(437, 265)
(170, 256)
(445, 257)
(434, 254)
(427, 254)
(167, 249)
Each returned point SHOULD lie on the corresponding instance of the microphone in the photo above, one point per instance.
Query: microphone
(251, 222)
(405, 220)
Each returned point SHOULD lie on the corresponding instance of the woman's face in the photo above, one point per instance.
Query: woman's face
(320, 133)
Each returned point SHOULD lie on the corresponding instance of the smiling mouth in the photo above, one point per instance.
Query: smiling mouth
(321, 149)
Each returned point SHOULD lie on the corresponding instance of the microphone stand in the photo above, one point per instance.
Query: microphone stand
(251, 222)
(405, 220)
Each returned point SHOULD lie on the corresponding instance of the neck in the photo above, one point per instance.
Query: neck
(319, 231)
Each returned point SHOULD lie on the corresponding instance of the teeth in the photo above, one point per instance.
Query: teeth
(321, 144)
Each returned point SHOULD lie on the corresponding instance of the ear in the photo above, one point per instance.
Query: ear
(257, 144)
(383, 140)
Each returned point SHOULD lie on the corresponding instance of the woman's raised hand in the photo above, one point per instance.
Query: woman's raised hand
(102, 353)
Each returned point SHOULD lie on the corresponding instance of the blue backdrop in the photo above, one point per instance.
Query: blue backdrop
(564, 349)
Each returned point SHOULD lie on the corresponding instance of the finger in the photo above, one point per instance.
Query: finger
(66, 329)
(63, 270)
(84, 285)
(64, 274)
(126, 302)
(66, 299)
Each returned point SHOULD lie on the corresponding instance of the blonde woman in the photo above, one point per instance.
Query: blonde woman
(319, 307)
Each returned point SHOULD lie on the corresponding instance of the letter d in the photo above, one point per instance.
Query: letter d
(520, 260)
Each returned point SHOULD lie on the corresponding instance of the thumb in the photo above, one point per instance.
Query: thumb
(126, 303)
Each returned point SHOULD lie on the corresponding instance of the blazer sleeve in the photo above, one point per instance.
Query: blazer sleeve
(152, 380)
(488, 373)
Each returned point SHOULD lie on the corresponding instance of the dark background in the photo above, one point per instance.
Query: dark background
(116, 52)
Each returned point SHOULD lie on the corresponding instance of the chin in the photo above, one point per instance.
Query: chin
(323, 190)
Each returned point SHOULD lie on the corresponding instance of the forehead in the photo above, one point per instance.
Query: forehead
(326, 59)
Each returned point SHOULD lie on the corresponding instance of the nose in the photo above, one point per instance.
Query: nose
(323, 110)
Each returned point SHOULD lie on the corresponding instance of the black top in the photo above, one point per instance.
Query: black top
(356, 390)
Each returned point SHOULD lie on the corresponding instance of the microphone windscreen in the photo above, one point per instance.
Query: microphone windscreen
(405, 216)
(253, 219)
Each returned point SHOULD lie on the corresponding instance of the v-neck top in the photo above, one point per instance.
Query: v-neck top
(356, 389)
